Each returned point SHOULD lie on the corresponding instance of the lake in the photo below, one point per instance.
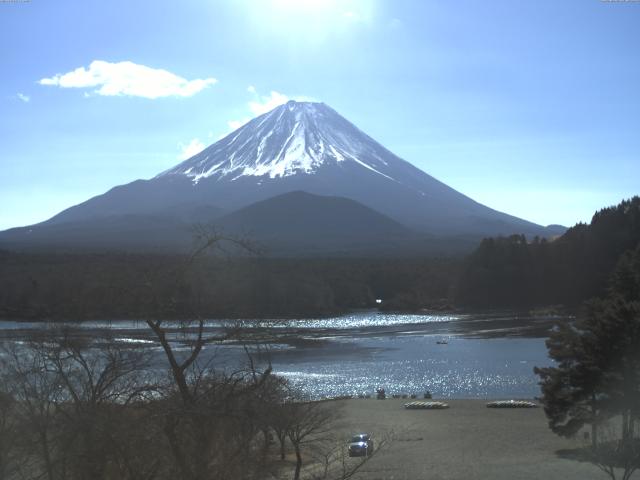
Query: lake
(450, 355)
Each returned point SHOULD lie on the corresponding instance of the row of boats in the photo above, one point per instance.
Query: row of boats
(495, 404)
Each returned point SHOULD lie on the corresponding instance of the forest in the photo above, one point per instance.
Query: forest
(504, 272)
(128, 286)
(516, 272)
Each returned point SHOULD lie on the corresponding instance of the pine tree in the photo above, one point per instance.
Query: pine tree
(597, 372)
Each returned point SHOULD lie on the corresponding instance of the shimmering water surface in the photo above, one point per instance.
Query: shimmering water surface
(464, 368)
(485, 356)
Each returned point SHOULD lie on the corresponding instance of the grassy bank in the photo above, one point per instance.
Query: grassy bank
(466, 441)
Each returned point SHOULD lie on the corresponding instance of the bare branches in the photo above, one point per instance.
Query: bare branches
(8, 431)
(333, 462)
(613, 455)
(208, 239)
(69, 399)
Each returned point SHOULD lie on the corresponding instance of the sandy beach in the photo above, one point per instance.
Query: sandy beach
(466, 441)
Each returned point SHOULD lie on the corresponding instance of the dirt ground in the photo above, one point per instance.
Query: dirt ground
(467, 441)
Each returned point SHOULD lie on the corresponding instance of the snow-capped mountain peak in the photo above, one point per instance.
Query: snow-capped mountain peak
(294, 138)
(297, 147)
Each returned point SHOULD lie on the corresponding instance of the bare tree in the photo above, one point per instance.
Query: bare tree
(70, 402)
(7, 434)
(202, 404)
(98, 383)
(207, 240)
(310, 423)
(334, 462)
(276, 418)
(36, 393)
(615, 455)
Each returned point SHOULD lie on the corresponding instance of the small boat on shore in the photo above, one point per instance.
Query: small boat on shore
(426, 405)
(512, 404)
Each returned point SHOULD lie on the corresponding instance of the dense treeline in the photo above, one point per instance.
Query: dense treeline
(123, 286)
(515, 272)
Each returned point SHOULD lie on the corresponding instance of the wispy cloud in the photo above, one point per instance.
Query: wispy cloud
(23, 97)
(395, 23)
(194, 147)
(128, 78)
(263, 103)
(236, 124)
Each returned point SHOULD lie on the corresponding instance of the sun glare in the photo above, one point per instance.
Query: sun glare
(306, 6)
(309, 20)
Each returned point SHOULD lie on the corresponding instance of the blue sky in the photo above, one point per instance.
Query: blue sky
(530, 107)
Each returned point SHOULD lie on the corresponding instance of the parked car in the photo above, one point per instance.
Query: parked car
(361, 445)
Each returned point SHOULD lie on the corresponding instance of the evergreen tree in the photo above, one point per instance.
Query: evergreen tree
(597, 375)
(572, 390)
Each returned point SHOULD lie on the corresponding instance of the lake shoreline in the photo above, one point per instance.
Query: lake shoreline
(545, 310)
(463, 323)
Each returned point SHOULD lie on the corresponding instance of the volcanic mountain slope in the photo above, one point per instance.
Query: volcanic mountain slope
(171, 230)
(299, 146)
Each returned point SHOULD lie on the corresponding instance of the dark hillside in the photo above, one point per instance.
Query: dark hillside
(514, 272)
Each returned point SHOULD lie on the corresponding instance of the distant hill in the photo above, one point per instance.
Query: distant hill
(512, 271)
(302, 222)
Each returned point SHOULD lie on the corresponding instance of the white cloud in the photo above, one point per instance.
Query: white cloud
(23, 97)
(194, 147)
(128, 78)
(259, 105)
(263, 104)
(236, 124)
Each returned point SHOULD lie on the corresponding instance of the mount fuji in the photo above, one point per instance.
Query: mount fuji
(301, 147)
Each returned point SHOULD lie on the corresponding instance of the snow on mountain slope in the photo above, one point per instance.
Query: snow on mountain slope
(298, 137)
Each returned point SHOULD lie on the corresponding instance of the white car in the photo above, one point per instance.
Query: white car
(361, 445)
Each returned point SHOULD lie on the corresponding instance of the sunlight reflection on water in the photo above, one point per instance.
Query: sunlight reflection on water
(358, 353)
(465, 368)
(366, 321)
(356, 320)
